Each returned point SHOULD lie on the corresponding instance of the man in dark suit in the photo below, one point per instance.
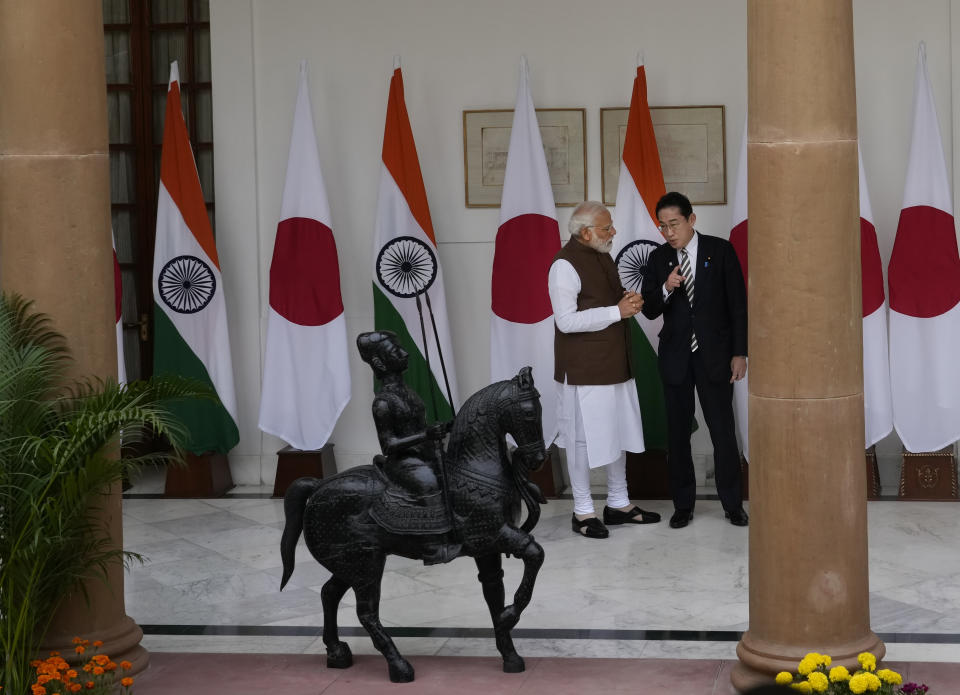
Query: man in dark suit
(695, 282)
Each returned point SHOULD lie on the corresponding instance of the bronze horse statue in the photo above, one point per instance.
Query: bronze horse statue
(484, 485)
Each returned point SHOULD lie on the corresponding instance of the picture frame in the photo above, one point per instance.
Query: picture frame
(486, 139)
(691, 141)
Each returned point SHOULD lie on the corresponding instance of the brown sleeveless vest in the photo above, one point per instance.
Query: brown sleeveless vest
(596, 357)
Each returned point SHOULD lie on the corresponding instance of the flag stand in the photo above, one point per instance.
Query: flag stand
(201, 475)
(929, 475)
(299, 463)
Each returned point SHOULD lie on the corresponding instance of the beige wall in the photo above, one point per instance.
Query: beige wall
(460, 55)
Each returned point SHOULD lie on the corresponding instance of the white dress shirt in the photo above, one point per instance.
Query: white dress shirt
(691, 248)
(610, 412)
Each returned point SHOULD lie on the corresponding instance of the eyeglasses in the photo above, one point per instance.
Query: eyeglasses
(672, 226)
(604, 229)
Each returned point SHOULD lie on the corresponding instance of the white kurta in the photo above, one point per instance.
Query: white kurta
(610, 412)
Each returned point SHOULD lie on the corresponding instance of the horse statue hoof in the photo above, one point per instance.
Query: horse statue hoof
(514, 664)
(401, 671)
(339, 656)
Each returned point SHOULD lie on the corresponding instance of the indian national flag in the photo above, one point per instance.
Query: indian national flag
(639, 189)
(190, 316)
(924, 277)
(521, 321)
(408, 295)
(118, 306)
(306, 370)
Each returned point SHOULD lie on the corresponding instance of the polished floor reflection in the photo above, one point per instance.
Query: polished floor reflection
(210, 583)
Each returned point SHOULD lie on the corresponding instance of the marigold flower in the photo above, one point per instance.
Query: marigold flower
(79, 649)
(808, 664)
(71, 674)
(98, 670)
(803, 687)
(858, 683)
(98, 643)
(888, 676)
(826, 660)
(873, 683)
(784, 678)
(126, 665)
(38, 690)
(54, 653)
(839, 674)
(35, 663)
(43, 679)
(101, 659)
(819, 682)
(867, 661)
(76, 640)
(75, 687)
(88, 666)
(110, 666)
(126, 682)
(90, 685)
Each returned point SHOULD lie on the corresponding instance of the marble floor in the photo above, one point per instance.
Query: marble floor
(211, 574)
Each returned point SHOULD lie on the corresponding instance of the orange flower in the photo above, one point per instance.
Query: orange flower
(38, 690)
(98, 643)
(54, 653)
(126, 682)
(126, 665)
(79, 649)
(76, 640)
(100, 659)
(90, 685)
(44, 679)
(98, 670)
(35, 663)
(88, 666)
(75, 687)
(71, 674)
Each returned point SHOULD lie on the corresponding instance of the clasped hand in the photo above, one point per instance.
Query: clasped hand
(630, 304)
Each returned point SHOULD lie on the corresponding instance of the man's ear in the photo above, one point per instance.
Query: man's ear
(377, 363)
(693, 218)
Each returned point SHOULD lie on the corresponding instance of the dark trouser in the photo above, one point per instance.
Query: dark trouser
(716, 401)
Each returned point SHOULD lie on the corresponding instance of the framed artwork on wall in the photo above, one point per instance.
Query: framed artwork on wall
(486, 139)
(692, 145)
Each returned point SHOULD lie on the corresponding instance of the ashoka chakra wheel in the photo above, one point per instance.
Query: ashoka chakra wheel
(632, 263)
(186, 284)
(406, 266)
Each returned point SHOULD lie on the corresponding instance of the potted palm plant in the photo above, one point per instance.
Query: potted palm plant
(59, 454)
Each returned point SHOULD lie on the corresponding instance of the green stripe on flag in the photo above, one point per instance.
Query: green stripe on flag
(653, 409)
(417, 376)
(209, 424)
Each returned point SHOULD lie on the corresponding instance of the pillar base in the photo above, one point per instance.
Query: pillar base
(761, 661)
(121, 642)
(929, 475)
(295, 463)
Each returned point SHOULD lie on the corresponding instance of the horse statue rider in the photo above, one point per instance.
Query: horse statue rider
(412, 452)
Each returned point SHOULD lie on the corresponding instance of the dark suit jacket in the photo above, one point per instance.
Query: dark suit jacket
(718, 315)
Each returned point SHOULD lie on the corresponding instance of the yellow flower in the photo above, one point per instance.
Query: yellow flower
(819, 682)
(839, 674)
(803, 687)
(888, 676)
(867, 660)
(858, 683)
(826, 660)
(873, 683)
(784, 678)
(808, 664)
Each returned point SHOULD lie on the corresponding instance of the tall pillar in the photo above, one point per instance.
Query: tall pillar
(808, 529)
(55, 245)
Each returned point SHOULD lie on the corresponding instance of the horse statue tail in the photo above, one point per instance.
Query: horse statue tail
(294, 502)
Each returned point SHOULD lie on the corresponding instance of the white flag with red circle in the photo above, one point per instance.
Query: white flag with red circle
(306, 371)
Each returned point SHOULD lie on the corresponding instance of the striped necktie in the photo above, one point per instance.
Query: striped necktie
(688, 284)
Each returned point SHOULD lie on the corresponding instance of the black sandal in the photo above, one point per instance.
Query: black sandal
(591, 528)
(634, 516)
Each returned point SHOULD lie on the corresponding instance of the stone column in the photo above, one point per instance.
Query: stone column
(55, 245)
(808, 528)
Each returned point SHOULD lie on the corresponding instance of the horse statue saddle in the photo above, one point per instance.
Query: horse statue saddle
(397, 510)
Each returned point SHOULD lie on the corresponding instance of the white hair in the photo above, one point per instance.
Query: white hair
(584, 215)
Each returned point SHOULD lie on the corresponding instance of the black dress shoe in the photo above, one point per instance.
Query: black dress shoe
(738, 517)
(591, 528)
(612, 517)
(681, 518)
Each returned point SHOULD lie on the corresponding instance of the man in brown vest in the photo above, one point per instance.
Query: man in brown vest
(599, 415)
